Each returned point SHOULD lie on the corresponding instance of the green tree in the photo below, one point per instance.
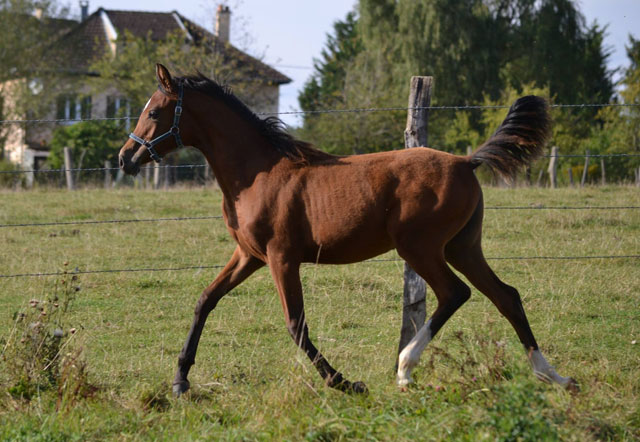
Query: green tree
(327, 81)
(132, 72)
(28, 59)
(91, 143)
(475, 49)
(620, 133)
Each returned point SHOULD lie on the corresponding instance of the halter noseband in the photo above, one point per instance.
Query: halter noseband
(174, 130)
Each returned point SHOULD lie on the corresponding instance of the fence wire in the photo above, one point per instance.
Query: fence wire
(219, 266)
(196, 166)
(195, 218)
(335, 111)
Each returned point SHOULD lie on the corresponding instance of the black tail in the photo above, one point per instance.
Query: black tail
(519, 140)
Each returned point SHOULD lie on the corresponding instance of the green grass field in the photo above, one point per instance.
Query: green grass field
(250, 382)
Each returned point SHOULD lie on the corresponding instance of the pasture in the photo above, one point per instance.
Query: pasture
(250, 382)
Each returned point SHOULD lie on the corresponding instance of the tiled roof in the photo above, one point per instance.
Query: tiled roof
(89, 39)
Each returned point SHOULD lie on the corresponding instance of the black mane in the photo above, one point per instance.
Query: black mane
(271, 128)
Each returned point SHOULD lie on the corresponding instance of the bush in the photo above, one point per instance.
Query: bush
(91, 143)
(38, 355)
(10, 179)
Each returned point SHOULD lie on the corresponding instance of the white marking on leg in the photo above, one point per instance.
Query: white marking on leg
(544, 371)
(410, 355)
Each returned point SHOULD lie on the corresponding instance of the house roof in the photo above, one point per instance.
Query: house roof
(92, 37)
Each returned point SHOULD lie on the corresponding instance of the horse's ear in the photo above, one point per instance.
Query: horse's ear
(164, 78)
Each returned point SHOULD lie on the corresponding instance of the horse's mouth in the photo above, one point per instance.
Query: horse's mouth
(129, 167)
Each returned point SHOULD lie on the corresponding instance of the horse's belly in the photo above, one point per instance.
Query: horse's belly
(339, 243)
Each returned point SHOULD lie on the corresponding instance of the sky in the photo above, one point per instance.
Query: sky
(289, 34)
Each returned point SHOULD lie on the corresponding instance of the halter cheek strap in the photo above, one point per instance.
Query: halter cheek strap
(174, 130)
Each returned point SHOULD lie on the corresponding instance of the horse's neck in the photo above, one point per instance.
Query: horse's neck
(234, 149)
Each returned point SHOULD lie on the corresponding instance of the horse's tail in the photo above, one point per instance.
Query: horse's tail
(519, 140)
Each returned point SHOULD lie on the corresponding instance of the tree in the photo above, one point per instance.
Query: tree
(330, 70)
(620, 133)
(28, 59)
(475, 49)
(91, 143)
(131, 71)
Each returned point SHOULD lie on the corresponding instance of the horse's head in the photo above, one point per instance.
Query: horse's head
(158, 130)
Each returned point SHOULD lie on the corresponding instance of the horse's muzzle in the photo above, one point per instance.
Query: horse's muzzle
(128, 166)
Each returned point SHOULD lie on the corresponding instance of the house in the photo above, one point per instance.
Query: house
(94, 36)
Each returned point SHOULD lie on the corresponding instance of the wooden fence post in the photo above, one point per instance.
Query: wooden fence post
(553, 167)
(147, 176)
(604, 172)
(107, 174)
(157, 171)
(68, 165)
(415, 135)
(570, 176)
(585, 171)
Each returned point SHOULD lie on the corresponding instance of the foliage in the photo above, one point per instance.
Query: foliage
(91, 143)
(325, 85)
(27, 28)
(478, 51)
(10, 179)
(35, 356)
(132, 70)
(620, 132)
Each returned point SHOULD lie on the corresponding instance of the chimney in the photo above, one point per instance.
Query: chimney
(223, 22)
(84, 10)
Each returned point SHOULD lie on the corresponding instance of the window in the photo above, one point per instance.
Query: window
(119, 107)
(70, 107)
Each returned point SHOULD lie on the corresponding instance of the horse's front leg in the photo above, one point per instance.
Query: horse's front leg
(286, 276)
(240, 267)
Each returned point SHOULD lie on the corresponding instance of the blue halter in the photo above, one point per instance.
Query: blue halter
(174, 130)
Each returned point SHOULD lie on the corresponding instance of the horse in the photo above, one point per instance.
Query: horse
(286, 203)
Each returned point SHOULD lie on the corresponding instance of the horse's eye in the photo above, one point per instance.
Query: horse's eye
(153, 114)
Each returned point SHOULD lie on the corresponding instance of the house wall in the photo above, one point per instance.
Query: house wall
(265, 100)
(14, 134)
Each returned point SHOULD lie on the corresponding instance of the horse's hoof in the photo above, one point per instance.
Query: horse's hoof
(572, 386)
(359, 387)
(180, 387)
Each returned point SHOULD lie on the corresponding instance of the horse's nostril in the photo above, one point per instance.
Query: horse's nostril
(121, 162)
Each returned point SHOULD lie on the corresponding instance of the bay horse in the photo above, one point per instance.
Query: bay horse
(287, 203)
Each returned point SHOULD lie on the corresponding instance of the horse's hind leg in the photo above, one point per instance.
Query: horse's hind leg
(286, 276)
(450, 291)
(240, 267)
(469, 260)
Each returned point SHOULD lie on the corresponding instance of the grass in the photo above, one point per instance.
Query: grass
(250, 382)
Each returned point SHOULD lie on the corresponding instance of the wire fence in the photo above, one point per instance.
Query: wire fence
(379, 260)
(318, 111)
(338, 111)
(199, 166)
(210, 217)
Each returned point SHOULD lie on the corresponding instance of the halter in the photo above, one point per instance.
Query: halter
(174, 130)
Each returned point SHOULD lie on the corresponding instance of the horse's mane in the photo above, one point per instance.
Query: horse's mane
(271, 128)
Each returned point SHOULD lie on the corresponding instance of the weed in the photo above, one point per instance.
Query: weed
(33, 356)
